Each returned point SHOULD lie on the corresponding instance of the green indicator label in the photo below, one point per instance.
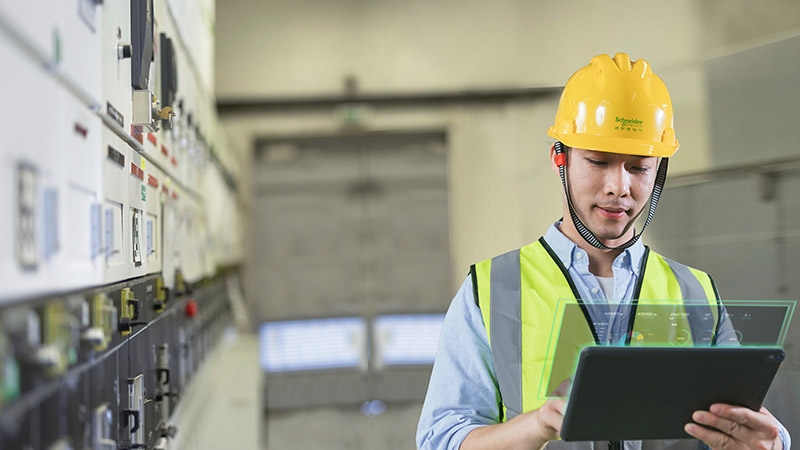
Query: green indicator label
(144, 193)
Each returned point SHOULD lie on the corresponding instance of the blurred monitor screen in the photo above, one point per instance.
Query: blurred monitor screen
(407, 339)
(316, 344)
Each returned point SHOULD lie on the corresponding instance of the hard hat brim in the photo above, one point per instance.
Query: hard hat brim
(622, 146)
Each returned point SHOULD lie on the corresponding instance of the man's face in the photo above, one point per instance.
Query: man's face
(608, 191)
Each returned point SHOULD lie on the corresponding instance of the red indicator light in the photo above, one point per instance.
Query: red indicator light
(82, 130)
(137, 171)
(191, 309)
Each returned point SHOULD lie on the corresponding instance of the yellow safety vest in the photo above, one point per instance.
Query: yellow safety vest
(536, 323)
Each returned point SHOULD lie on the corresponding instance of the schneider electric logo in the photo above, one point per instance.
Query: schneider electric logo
(628, 124)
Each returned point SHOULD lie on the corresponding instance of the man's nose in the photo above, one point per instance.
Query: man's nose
(618, 181)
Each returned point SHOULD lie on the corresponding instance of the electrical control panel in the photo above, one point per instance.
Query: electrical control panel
(29, 183)
(116, 171)
(116, 53)
(111, 294)
(62, 36)
(119, 353)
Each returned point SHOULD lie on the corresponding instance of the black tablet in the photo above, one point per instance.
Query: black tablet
(639, 393)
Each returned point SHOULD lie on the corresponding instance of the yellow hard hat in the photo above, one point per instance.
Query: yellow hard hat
(616, 106)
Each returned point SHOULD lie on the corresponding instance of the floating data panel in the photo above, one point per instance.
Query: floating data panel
(659, 323)
(760, 322)
(409, 339)
(316, 344)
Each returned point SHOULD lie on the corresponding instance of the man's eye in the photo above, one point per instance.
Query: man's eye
(640, 169)
(596, 162)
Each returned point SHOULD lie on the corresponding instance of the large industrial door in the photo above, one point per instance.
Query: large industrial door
(350, 226)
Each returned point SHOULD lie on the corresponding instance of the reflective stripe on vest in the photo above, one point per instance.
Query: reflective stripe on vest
(523, 296)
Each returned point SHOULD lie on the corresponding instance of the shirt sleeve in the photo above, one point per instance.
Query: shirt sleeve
(785, 438)
(462, 393)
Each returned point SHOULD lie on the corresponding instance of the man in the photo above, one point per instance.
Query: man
(614, 134)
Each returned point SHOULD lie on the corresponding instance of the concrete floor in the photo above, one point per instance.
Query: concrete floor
(342, 428)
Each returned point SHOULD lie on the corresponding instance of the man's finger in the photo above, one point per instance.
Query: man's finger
(742, 415)
(750, 424)
(713, 438)
(562, 390)
(726, 426)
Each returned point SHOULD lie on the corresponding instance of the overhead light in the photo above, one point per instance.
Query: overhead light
(373, 408)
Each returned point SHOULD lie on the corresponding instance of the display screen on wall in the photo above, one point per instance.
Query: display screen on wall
(409, 339)
(316, 344)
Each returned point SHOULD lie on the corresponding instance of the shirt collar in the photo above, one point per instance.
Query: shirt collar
(566, 250)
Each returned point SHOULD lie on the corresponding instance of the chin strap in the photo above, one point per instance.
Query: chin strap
(587, 235)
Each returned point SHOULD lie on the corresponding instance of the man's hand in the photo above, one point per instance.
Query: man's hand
(727, 427)
(531, 430)
(551, 415)
(548, 420)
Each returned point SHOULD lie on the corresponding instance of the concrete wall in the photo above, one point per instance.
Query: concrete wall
(502, 193)
(742, 226)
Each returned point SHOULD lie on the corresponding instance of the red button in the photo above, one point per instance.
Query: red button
(152, 138)
(152, 181)
(137, 171)
(164, 150)
(191, 309)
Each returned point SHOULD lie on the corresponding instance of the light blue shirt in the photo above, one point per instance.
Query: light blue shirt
(462, 393)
